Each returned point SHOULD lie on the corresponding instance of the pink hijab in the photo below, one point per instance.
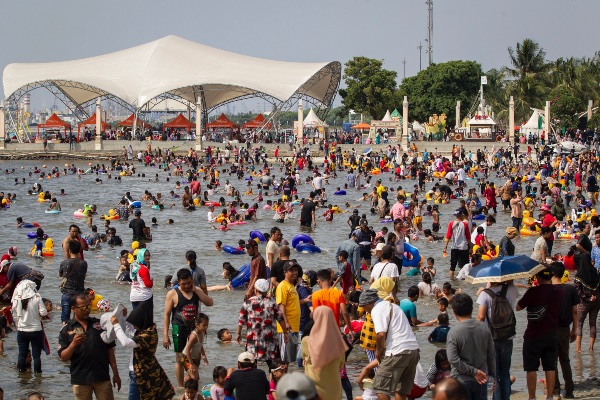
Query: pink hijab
(325, 343)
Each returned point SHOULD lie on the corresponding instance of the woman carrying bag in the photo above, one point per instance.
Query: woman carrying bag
(27, 310)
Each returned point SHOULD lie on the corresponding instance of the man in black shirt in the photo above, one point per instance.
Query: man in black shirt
(249, 382)
(80, 342)
(353, 221)
(137, 224)
(307, 213)
(567, 315)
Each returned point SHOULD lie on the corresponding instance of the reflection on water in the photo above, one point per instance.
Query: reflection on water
(191, 231)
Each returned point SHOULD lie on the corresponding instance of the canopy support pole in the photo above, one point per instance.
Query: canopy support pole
(98, 141)
(198, 126)
(405, 123)
(511, 120)
(2, 127)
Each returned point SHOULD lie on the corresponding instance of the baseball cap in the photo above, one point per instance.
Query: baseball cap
(296, 386)
(137, 212)
(546, 273)
(246, 357)
(262, 285)
(289, 265)
(379, 246)
(4, 263)
(459, 211)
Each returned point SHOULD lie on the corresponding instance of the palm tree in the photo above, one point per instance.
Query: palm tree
(529, 80)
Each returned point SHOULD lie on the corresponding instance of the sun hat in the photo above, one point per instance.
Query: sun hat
(511, 230)
(379, 246)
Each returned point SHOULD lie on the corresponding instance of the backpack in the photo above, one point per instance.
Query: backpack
(503, 322)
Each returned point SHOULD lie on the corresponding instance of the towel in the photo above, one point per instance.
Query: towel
(108, 335)
(25, 289)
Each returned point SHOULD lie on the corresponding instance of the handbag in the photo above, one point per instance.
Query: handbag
(537, 314)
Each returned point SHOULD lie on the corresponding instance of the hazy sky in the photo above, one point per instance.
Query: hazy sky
(305, 31)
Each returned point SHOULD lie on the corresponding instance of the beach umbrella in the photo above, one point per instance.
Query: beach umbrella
(367, 151)
(504, 269)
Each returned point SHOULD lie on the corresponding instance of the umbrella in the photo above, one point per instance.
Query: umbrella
(504, 269)
(367, 151)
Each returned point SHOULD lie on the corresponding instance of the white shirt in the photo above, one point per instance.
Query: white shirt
(400, 336)
(459, 235)
(450, 175)
(461, 174)
(464, 271)
(388, 269)
(30, 320)
(210, 216)
(428, 290)
(318, 182)
(484, 299)
(474, 233)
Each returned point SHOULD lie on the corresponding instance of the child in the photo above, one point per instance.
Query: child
(279, 368)
(194, 349)
(224, 335)
(218, 245)
(345, 274)
(442, 304)
(48, 306)
(448, 291)
(216, 391)
(426, 287)
(123, 274)
(191, 390)
(430, 267)
(435, 214)
(365, 381)
(328, 214)
(440, 369)
(439, 334)
(154, 221)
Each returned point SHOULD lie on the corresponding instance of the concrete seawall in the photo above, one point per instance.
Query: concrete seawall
(115, 148)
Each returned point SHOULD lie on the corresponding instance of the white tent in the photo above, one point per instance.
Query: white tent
(387, 116)
(532, 125)
(416, 126)
(312, 120)
(481, 121)
(179, 68)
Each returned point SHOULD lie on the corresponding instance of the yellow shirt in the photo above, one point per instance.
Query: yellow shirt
(287, 295)
(94, 302)
(380, 189)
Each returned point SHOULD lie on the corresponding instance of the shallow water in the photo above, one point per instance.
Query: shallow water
(191, 231)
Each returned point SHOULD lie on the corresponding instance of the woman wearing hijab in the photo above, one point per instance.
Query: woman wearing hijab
(27, 308)
(384, 287)
(141, 280)
(323, 352)
(587, 283)
(148, 381)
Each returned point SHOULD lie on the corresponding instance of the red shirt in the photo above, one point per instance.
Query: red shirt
(547, 221)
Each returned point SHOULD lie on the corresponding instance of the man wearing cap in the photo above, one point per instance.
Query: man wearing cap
(353, 250)
(458, 233)
(258, 267)
(397, 348)
(289, 302)
(249, 382)
(549, 221)
(137, 224)
(540, 341)
(259, 314)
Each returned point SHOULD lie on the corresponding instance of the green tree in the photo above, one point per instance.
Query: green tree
(436, 89)
(565, 106)
(528, 77)
(369, 87)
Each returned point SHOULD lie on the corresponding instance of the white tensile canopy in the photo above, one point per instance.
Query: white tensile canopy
(184, 69)
(532, 125)
(416, 126)
(311, 120)
(481, 121)
(387, 116)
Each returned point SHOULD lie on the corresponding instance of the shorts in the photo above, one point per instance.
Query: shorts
(435, 227)
(289, 351)
(180, 337)
(458, 257)
(396, 373)
(540, 348)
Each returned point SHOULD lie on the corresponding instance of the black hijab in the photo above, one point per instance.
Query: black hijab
(141, 317)
(586, 272)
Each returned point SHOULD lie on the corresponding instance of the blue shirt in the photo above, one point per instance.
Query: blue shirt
(409, 308)
(439, 334)
(596, 257)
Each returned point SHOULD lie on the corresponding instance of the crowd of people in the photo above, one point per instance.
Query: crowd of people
(286, 323)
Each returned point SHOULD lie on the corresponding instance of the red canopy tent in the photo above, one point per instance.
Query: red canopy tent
(55, 122)
(128, 123)
(179, 122)
(221, 122)
(91, 121)
(257, 122)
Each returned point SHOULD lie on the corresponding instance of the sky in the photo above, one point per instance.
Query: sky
(303, 31)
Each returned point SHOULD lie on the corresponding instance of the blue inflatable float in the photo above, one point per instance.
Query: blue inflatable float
(242, 277)
(414, 252)
(30, 225)
(339, 193)
(258, 235)
(307, 248)
(53, 211)
(136, 204)
(301, 238)
(479, 216)
(32, 235)
(233, 250)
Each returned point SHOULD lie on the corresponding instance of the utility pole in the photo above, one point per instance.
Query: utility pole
(404, 62)
(420, 47)
(430, 31)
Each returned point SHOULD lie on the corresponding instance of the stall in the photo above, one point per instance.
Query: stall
(91, 121)
(179, 122)
(54, 123)
(224, 126)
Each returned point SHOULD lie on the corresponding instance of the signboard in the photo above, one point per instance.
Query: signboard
(484, 80)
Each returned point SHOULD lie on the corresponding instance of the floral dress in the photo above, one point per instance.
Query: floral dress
(259, 315)
(149, 375)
